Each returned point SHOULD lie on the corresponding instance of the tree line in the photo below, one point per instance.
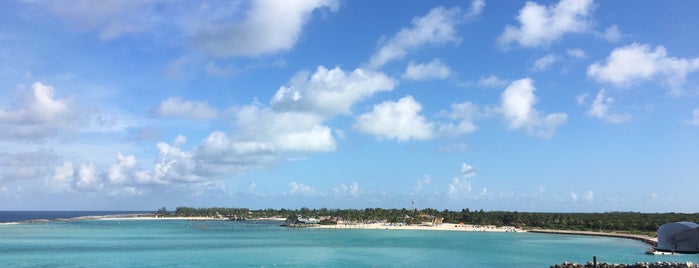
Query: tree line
(631, 222)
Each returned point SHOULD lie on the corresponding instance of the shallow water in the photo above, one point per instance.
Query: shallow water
(181, 243)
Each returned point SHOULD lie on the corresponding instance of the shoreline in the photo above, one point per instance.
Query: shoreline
(643, 238)
(366, 226)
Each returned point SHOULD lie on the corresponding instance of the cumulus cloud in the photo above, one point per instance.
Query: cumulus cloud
(296, 188)
(176, 107)
(434, 69)
(438, 26)
(62, 178)
(88, 179)
(38, 114)
(460, 188)
(544, 62)
(345, 190)
(330, 92)
(636, 63)
(399, 120)
(284, 131)
(463, 116)
(110, 19)
(541, 25)
(517, 107)
(600, 109)
(492, 81)
(267, 27)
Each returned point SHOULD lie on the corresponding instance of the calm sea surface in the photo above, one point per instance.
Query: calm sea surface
(180, 243)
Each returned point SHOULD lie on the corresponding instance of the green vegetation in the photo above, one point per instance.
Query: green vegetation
(627, 222)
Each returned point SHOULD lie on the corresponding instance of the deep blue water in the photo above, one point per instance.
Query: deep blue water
(17, 216)
(181, 243)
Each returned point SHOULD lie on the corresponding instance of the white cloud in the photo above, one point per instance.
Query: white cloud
(600, 109)
(399, 120)
(695, 117)
(37, 114)
(296, 188)
(517, 107)
(347, 190)
(434, 69)
(492, 81)
(284, 131)
(87, 178)
(576, 53)
(463, 114)
(467, 171)
(460, 188)
(541, 25)
(267, 27)
(330, 92)
(544, 62)
(176, 107)
(437, 27)
(612, 34)
(110, 18)
(635, 63)
(587, 196)
(62, 178)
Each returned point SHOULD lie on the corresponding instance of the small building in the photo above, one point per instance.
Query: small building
(678, 237)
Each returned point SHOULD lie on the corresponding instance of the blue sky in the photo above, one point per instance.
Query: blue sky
(509, 105)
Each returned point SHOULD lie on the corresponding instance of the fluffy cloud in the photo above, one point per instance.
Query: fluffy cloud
(462, 116)
(542, 25)
(87, 178)
(330, 92)
(296, 188)
(399, 120)
(460, 188)
(437, 27)
(176, 107)
(267, 27)
(62, 178)
(635, 63)
(434, 69)
(347, 190)
(37, 114)
(600, 109)
(110, 18)
(284, 131)
(517, 107)
(544, 62)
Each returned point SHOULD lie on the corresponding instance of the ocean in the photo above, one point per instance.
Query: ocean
(182, 243)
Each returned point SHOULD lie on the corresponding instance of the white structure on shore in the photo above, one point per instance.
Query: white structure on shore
(679, 237)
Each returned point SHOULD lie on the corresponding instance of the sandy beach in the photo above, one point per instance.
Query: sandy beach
(439, 227)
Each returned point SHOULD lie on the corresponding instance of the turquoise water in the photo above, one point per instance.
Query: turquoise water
(179, 243)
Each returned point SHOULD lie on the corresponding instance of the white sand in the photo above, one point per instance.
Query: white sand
(440, 227)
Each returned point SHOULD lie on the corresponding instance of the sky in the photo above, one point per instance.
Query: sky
(550, 106)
